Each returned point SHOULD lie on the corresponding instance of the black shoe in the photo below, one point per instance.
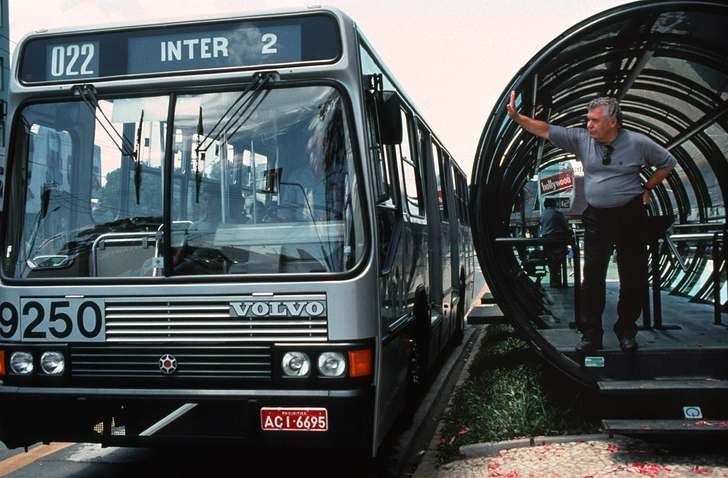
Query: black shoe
(628, 344)
(588, 344)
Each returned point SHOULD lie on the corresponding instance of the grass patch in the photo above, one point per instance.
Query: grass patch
(512, 393)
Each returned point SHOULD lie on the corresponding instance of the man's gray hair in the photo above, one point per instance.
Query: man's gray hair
(611, 108)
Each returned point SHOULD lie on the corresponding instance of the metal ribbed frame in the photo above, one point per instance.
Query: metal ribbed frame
(616, 53)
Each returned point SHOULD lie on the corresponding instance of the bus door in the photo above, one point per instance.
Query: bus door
(389, 221)
(461, 269)
(382, 120)
(417, 262)
(440, 237)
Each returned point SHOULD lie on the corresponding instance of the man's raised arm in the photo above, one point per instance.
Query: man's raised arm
(533, 126)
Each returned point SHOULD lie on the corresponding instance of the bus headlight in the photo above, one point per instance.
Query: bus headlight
(296, 364)
(52, 363)
(332, 364)
(21, 363)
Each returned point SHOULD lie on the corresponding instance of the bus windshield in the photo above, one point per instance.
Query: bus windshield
(260, 181)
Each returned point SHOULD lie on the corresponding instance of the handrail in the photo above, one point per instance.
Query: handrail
(671, 239)
(696, 236)
(713, 236)
(145, 239)
(534, 241)
(699, 225)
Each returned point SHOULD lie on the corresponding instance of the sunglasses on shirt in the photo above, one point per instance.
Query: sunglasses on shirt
(607, 158)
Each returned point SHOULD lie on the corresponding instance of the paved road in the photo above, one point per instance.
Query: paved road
(86, 461)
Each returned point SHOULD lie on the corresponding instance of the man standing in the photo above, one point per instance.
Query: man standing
(615, 216)
(554, 225)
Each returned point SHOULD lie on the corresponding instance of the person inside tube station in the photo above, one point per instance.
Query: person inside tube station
(553, 224)
(616, 214)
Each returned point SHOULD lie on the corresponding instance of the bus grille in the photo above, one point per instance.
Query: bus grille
(210, 320)
(199, 362)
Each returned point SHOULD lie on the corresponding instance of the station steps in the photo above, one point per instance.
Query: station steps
(486, 315)
(667, 385)
(654, 427)
(487, 298)
(692, 406)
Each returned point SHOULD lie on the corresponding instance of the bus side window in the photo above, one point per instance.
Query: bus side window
(379, 160)
(461, 192)
(438, 157)
(411, 171)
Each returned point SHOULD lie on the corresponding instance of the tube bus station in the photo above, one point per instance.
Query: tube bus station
(666, 63)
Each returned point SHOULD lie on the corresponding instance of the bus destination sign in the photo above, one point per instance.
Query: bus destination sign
(215, 49)
(161, 50)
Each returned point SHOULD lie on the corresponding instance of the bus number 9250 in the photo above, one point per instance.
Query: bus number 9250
(50, 320)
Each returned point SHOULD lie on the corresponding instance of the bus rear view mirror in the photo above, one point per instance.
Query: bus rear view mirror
(390, 118)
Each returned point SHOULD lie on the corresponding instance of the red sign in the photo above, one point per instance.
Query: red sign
(557, 183)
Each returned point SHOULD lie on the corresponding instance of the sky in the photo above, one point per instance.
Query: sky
(454, 58)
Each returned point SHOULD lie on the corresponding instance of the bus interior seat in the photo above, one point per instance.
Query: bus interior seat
(123, 255)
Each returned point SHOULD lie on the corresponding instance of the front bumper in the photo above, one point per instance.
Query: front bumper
(155, 417)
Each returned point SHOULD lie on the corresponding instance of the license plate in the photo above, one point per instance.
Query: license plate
(294, 419)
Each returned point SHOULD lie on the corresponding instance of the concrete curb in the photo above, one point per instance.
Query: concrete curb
(492, 449)
(406, 444)
(427, 468)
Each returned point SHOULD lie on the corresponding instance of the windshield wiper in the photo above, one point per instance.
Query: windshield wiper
(138, 158)
(260, 80)
(229, 123)
(88, 95)
(199, 156)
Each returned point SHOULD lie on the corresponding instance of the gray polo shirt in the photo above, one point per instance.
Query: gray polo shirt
(617, 183)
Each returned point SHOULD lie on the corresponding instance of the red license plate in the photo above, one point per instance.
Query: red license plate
(294, 419)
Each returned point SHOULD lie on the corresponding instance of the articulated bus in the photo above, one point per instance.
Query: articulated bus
(235, 230)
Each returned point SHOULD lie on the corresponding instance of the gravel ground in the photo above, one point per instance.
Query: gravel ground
(616, 457)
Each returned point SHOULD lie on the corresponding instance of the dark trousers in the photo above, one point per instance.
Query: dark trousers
(625, 228)
(556, 257)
